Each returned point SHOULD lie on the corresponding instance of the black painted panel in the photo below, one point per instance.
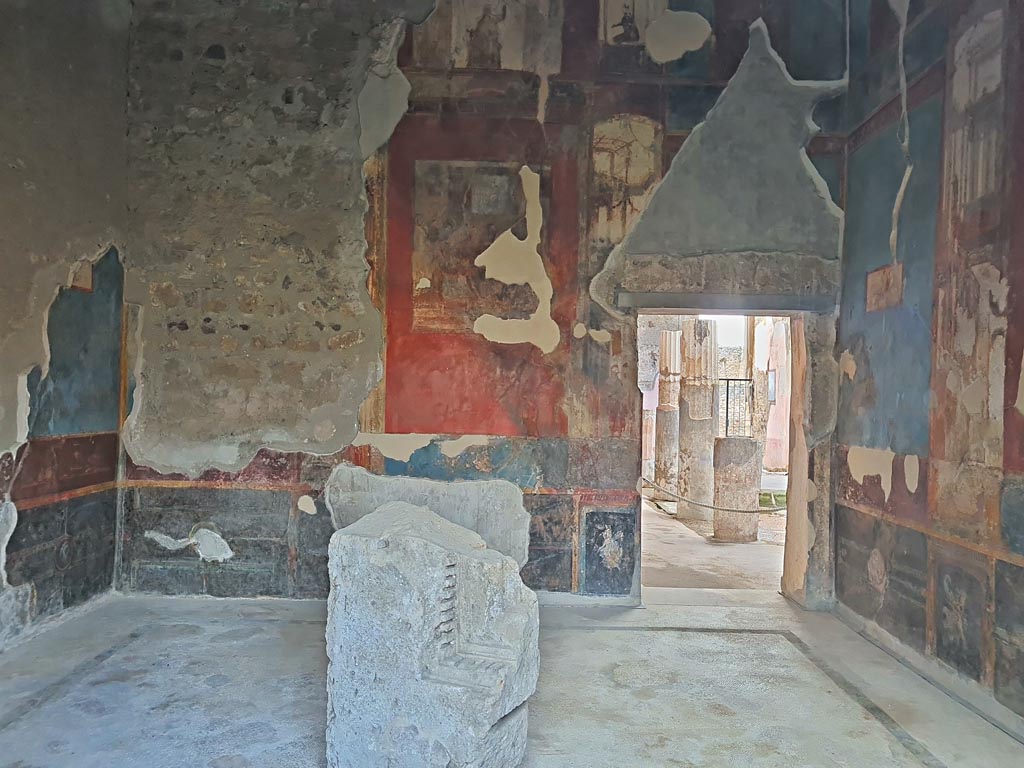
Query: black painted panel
(882, 573)
(1009, 636)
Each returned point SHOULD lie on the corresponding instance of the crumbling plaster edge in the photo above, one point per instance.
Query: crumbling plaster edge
(601, 288)
(33, 340)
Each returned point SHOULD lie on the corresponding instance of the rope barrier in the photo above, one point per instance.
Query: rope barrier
(677, 497)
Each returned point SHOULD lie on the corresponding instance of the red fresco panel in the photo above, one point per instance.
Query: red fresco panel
(461, 383)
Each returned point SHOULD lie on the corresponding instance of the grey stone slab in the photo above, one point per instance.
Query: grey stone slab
(433, 646)
(492, 508)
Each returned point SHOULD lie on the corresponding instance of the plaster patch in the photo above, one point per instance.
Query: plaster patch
(423, 284)
(382, 102)
(672, 34)
(972, 398)
(600, 335)
(452, 448)
(517, 262)
(848, 364)
(399, 447)
(208, 544)
(712, 203)
(307, 504)
(912, 472)
(384, 97)
(868, 462)
(901, 8)
(1019, 405)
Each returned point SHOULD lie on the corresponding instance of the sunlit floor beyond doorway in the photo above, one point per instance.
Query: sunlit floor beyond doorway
(681, 554)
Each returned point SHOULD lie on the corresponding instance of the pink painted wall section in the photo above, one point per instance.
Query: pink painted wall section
(776, 449)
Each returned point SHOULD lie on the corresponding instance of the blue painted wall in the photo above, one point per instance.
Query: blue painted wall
(886, 406)
(79, 394)
(874, 65)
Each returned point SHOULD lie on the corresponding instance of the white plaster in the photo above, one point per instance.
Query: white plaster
(1019, 405)
(764, 327)
(423, 284)
(848, 364)
(452, 448)
(399, 447)
(868, 462)
(901, 8)
(518, 262)
(211, 546)
(672, 34)
(166, 541)
(912, 472)
(579, 331)
(307, 504)
(208, 544)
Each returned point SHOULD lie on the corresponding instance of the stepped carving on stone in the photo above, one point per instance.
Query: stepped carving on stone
(433, 646)
(492, 508)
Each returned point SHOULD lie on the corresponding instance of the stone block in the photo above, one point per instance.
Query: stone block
(492, 508)
(738, 463)
(433, 646)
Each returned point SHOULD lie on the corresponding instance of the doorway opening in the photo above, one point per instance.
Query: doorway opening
(716, 449)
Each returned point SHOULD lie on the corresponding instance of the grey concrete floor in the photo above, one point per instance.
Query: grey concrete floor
(674, 555)
(697, 678)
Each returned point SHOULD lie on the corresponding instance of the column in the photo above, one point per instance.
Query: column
(666, 427)
(737, 486)
(698, 417)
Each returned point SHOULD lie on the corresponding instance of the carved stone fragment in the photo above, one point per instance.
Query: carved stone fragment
(432, 639)
(492, 508)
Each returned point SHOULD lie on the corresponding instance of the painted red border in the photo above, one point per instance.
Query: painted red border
(448, 383)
